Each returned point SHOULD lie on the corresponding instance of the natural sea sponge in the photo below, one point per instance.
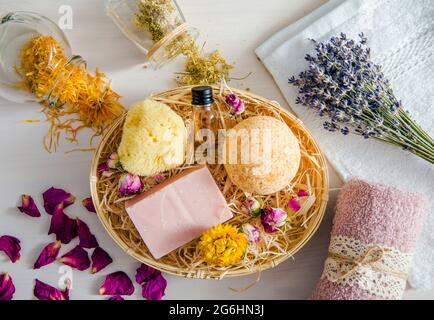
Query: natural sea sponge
(266, 157)
(153, 139)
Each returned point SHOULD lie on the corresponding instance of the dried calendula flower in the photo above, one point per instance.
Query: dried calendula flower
(223, 245)
(87, 239)
(7, 288)
(76, 258)
(48, 255)
(100, 259)
(117, 283)
(11, 247)
(43, 291)
(83, 99)
(28, 206)
(54, 196)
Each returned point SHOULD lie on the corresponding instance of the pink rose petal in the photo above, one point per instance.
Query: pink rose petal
(28, 206)
(87, 239)
(43, 291)
(302, 193)
(76, 258)
(145, 273)
(117, 283)
(63, 226)
(294, 204)
(11, 247)
(104, 170)
(53, 197)
(115, 298)
(155, 288)
(7, 288)
(100, 259)
(48, 255)
(88, 204)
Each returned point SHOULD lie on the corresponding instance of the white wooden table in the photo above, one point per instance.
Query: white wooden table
(235, 27)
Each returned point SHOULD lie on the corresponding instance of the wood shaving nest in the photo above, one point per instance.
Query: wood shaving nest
(186, 261)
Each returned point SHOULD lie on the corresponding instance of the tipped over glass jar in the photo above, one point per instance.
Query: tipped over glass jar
(157, 27)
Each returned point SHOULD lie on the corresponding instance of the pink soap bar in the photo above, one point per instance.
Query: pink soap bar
(178, 210)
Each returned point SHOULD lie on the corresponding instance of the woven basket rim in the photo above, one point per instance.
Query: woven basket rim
(212, 274)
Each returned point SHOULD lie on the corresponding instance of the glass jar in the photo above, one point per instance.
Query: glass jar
(157, 27)
(16, 30)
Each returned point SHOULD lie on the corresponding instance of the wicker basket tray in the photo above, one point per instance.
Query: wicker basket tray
(184, 261)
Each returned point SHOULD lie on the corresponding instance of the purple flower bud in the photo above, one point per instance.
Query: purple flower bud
(251, 206)
(273, 218)
(236, 104)
(113, 161)
(104, 170)
(252, 232)
(129, 184)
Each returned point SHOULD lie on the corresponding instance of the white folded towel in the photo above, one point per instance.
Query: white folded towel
(401, 36)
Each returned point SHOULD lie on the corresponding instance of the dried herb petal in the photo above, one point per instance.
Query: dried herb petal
(87, 239)
(145, 273)
(117, 283)
(11, 247)
(7, 288)
(76, 258)
(48, 255)
(63, 226)
(53, 197)
(43, 291)
(154, 289)
(88, 204)
(100, 259)
(28, 206)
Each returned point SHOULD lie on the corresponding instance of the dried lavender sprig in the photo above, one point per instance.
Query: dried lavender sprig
(344, 85)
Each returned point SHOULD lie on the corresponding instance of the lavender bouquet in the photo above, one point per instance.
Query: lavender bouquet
(345, 86)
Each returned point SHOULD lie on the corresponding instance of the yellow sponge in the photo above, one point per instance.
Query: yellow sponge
(153, 139)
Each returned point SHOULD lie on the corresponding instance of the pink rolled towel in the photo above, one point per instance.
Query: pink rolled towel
(374, 233)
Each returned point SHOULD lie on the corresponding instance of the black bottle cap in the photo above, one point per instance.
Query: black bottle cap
(202, 96)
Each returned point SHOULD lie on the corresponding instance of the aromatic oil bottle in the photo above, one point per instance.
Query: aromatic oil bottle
(205, 122)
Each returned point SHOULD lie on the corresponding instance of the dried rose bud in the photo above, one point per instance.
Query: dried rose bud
(115, 298)
(117, 283)
(48, 255)
(28, 206)
(252, 232)
(294, 204)
(155, 288)
(236, 104)
(145, 273)
(273, 218)
(100, 259)
(129, 184)
(251, 206)
(53, 197)
(88, 204)
(63, 226)
(7, 288)
(159, 178)
(43, 291)
(104, 170)
(11, 247)
(302, 193)
(76, 258)
(114, 161)
(87, 239)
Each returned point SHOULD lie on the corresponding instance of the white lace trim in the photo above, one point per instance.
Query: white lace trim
(384, 277)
